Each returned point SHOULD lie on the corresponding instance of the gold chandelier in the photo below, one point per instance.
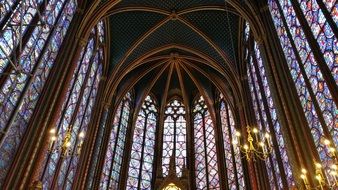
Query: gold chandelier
(330, 179)
(257, 145)
(65, 146)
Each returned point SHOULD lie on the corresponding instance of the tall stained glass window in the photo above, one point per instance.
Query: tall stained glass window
(140, 170)
(174, 137)
(267, 120)
(310, 79)
(25, 64)
(233, 162)
(61, 165)
(206, 168)
(113, 161)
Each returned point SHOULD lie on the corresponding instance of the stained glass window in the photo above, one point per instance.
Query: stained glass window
(142, 152)
(174, 137)
(266, 115)
(60, 165)
(113, 161)
(322, 32)
(233, 162)
(316, 97)
(25, 64)
(267, 120)
(206, 169)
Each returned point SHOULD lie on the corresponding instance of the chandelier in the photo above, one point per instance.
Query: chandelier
(65, 146)
(325, 174)
(257, 144)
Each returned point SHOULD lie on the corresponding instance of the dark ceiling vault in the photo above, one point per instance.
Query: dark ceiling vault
(190, 43)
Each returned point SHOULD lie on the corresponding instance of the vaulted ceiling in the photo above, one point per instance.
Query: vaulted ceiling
(200, 38)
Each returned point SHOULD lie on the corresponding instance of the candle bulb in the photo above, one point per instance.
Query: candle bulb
(52, 131)
(81, 135)
(334, 173)
(303, 177)
(320, 180)
(235, 143)
(255, 131)
(267, 136)
(238, 135)
(318, 166)
(246, 148)
(326, 142)
(52, 140)
(261, 144)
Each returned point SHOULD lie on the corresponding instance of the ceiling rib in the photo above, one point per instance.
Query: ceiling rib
(147, 90)
(137, 79)
(139, 41)
(202, 92)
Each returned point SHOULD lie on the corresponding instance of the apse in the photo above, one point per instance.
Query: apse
(168, 95)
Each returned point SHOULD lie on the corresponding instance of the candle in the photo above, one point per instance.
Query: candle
(267, 136)
(304, 179)
(333, 173)
(255, 131)
(262, 145)
(320, 180)
(52, 139)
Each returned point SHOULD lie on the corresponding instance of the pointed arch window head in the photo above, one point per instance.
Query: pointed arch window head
(233, 161)
(110, 177)
(140, 172)
(206, 165)
(174, 137)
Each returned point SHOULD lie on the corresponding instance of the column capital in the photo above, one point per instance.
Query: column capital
(103, 78)
(264, 8)
(106, 105)
(259, 40)
(82, 41)
(79, 10)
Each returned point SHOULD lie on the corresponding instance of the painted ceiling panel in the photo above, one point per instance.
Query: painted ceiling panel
(126, 28)
(221, 27)
(169, 5)
(174, 32)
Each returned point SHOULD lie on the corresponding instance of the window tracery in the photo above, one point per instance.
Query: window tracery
(206, 168)
(140, 170)
(112, 167)
(233, 162)
(174, 137)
